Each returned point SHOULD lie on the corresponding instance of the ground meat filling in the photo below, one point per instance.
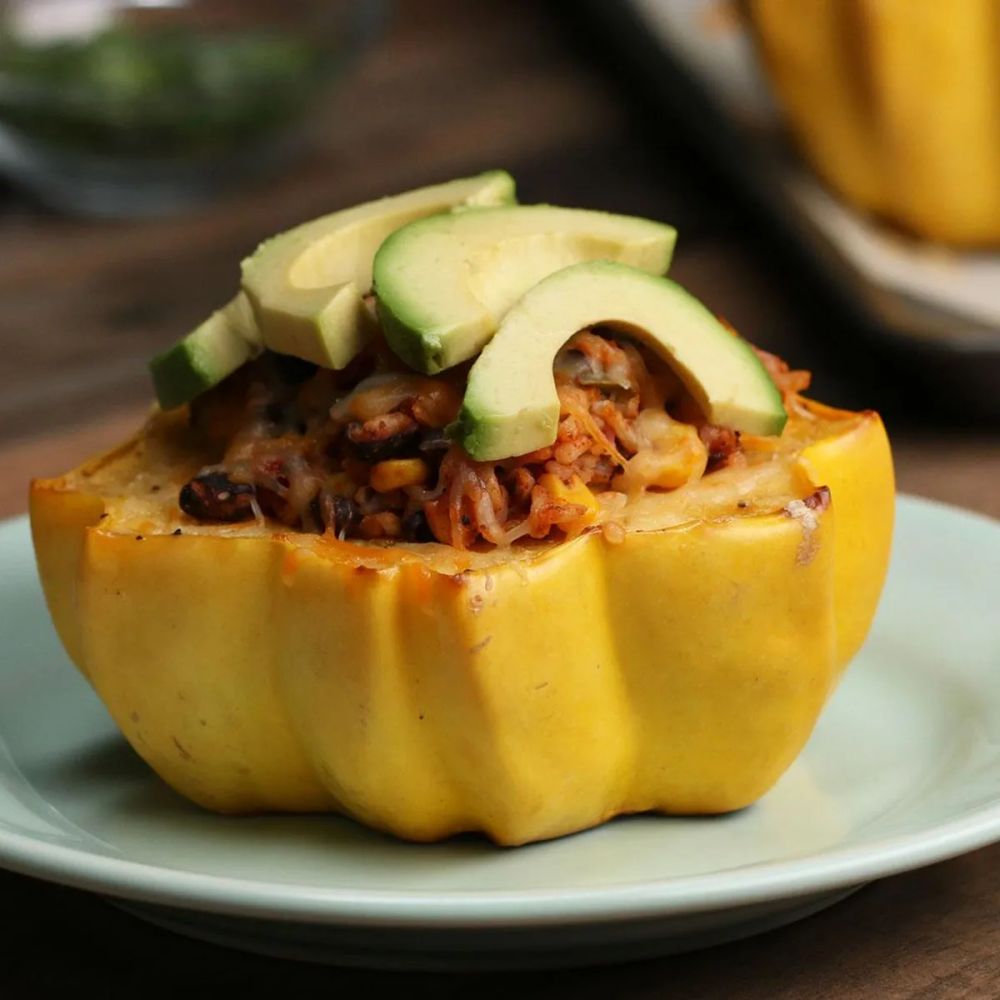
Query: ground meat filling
(366, 453)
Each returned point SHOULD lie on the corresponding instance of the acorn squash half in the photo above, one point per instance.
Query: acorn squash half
(525, 692)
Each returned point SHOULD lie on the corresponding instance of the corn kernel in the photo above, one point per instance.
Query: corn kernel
(575, 491)
(396, 473)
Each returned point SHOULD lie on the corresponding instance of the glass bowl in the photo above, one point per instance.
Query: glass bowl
(145, 107)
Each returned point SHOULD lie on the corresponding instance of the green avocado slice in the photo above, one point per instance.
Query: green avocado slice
(511, 406)
(210, 352)
(444, 283)
(306, 285)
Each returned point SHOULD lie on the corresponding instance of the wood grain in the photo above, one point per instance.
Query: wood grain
(37, 458)
(927, 935)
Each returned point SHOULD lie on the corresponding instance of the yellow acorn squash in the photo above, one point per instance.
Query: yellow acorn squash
(896, 103)
(525, 692)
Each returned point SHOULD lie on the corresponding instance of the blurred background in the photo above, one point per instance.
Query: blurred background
(832, 166)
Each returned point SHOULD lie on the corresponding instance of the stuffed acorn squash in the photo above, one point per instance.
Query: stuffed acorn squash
(317, 589)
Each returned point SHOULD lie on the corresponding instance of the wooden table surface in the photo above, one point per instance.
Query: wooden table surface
(454, 88)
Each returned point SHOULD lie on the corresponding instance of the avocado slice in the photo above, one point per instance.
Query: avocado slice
(306, 285)
(210, 352)
(511, 406)
(444, 283)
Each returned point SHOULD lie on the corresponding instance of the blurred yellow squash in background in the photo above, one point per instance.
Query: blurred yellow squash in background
(897, 105)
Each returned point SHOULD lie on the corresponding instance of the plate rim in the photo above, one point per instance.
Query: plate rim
(663, 898)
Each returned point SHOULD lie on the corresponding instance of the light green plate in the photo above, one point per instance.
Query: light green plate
(903, 770)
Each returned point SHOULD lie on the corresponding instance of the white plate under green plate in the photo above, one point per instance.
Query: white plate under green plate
(903, 770)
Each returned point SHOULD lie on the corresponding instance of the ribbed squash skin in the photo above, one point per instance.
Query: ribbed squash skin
(425, 692)
(897, 104)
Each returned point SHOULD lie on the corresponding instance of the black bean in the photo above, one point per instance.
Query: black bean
(213, 496)
(348, 515)
(416, 528)
(371, 450)
(335, 513)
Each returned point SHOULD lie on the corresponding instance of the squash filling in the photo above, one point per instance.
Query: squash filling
(366, 452)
